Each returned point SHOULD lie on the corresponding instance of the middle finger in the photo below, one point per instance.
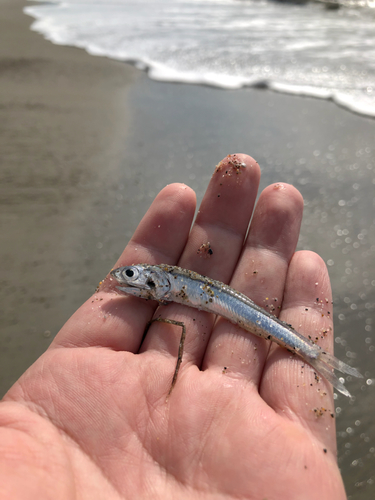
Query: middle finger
(213, 248)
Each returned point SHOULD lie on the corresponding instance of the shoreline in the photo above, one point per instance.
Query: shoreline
(352, 99)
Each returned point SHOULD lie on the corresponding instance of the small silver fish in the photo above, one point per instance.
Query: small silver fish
(165, 284)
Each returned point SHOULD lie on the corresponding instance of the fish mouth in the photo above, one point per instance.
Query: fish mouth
(125, 286)
(129, 286)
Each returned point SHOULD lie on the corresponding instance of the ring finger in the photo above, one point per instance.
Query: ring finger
(260, 275)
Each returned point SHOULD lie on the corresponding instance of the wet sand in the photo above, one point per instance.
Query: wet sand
(63, 124)
(85, 145)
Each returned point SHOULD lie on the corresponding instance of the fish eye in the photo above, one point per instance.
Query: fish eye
(131, 272)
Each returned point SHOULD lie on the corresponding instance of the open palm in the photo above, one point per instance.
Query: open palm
(246, 419)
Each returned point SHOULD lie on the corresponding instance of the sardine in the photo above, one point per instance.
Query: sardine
(165, 284)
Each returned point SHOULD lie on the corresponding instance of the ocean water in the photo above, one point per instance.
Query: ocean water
(304, 49)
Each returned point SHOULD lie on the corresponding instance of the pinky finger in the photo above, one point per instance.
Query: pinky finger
(289, 385)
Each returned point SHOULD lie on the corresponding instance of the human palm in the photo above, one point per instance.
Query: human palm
(91, 418)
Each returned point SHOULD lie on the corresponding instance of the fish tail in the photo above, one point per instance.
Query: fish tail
(326, 362)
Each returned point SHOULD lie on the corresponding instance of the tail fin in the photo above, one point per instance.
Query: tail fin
(324, 364)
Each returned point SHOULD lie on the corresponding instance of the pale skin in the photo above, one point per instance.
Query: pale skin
(89, 419)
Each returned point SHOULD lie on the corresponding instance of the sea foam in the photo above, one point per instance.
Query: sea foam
(297, 49)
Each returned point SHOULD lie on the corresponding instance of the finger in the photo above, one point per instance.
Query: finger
(223, 218)
(289, 385)
(260, 275)
(118, 322)
(222, 222)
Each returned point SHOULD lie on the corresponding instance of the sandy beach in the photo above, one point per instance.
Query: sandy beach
(87, 142)
(63, 123)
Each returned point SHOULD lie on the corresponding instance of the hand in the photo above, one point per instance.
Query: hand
(246, 419)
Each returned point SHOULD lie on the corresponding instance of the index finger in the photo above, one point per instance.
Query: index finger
(119, 322)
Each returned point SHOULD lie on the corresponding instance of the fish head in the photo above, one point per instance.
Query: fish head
(144, 281)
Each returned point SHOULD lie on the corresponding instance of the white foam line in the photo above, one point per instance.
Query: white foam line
(59, 35)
